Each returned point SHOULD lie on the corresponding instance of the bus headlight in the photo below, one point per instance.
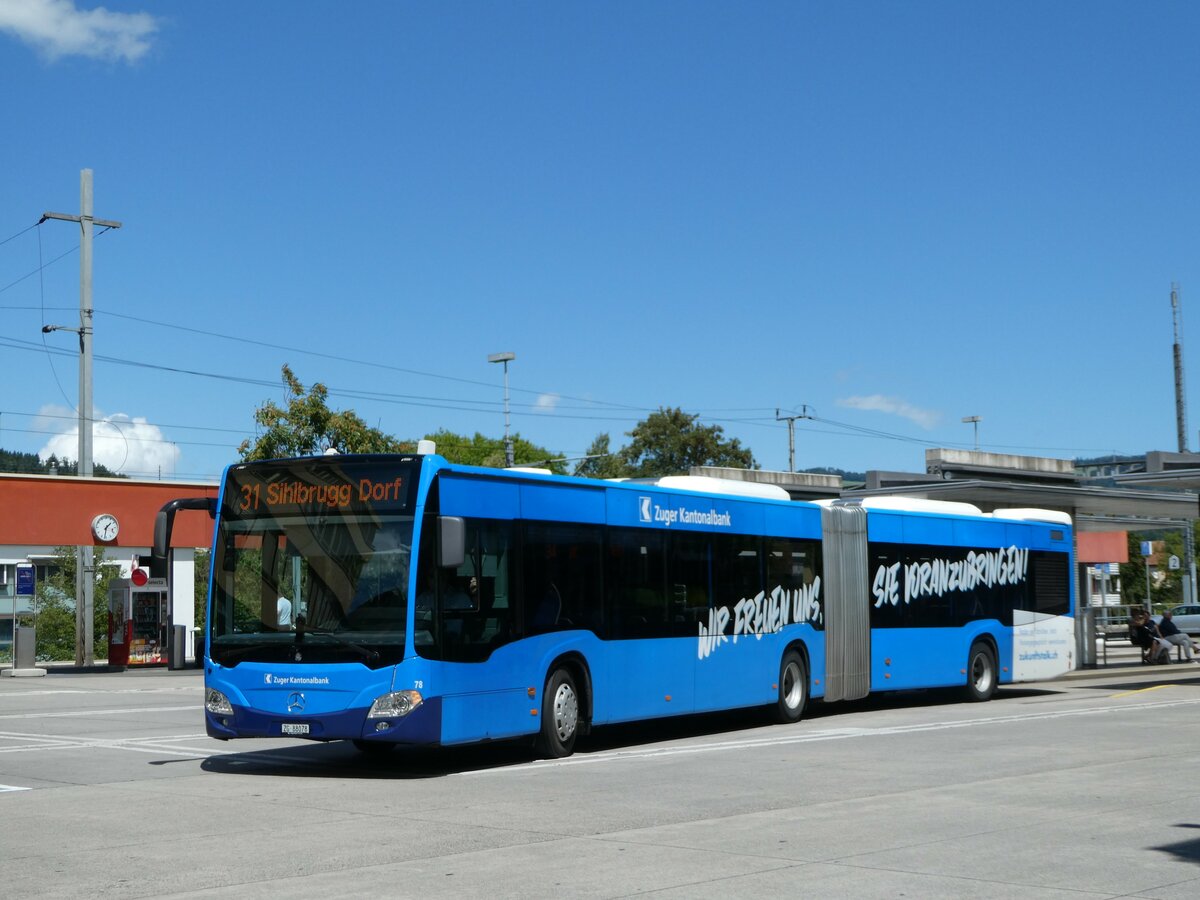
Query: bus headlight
(218, 703)
(395, 705)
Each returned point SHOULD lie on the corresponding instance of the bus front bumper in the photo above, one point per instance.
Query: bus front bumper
(422, 726)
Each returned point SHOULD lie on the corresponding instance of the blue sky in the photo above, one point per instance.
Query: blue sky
(896, 215)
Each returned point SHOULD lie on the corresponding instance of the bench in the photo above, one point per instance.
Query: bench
(1121, 636)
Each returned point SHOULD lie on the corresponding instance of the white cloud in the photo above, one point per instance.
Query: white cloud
(546, 402)
(57, 28)
(125, 444)
(927, 419)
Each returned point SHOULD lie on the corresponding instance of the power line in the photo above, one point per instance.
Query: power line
(468, 405)
(410, 400)
(38, 270)
(40, 415)
(27, 228)
(380, 397)
(357, 361)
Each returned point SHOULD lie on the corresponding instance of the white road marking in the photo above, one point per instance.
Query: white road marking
(831, 734)
(161, 744)
(8, 788)
(196, 707)
(197, 688)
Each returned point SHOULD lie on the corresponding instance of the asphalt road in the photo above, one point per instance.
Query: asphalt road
(1084, 787)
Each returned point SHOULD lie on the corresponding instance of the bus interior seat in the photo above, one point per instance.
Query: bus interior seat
(548, 610)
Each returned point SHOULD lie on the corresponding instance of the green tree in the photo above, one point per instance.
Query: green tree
(54, 606)
(670, 442)
(15, 461)
(1166, 585)
(600, 461)
(308, 426)
(479, 450)
(1168, 591)
(66, 466)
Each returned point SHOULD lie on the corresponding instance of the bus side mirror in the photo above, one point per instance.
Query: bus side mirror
(452, 546)
(164, 522)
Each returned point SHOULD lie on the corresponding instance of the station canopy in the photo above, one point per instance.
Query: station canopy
(1164, 498)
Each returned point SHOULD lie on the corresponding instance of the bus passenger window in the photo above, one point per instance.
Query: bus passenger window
(635, 577)
(689, 580)
(563, 576)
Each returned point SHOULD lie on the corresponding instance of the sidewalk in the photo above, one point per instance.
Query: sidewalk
(1124, 658)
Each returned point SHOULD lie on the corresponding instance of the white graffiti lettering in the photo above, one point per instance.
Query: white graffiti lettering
(714, 635)
(760, 615)
(938, 577)
(886, 586)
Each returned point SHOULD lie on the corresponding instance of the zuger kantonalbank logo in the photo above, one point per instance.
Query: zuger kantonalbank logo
(285, 680)
(651, 512)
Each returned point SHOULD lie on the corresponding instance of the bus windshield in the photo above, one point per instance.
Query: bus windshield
(312, 565)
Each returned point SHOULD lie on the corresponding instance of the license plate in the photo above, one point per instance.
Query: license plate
(294, 728)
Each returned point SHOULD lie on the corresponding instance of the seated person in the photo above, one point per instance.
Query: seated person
(460, 596)
(1170, 633)
(546, 614)
(1143, 634)
(457, 594)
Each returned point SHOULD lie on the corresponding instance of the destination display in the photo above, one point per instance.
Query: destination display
(303, 488)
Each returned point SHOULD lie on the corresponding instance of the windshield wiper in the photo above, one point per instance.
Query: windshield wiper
(366, 653)
(224, 655)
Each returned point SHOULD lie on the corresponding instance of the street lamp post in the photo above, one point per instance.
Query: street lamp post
(974, 420)
(505, 358)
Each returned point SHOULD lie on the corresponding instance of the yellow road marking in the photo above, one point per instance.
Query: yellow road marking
(1157, 687)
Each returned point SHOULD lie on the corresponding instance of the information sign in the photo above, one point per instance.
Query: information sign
(24, 580)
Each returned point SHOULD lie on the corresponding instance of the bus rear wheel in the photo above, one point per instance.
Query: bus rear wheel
(560, 716)
(793, 688)
(981, 673)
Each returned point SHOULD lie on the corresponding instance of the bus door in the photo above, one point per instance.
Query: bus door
(847, 606)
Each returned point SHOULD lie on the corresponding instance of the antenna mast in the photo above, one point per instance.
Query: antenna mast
(1180, 402)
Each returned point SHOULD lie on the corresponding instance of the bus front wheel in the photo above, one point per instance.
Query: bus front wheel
(560, 716)
(793, 688)
(981, 673)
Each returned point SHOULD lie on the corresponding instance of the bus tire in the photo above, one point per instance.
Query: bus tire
(982, 675)
(560, 716)
(793, 688)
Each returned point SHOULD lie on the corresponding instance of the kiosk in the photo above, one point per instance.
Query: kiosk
(137, 622)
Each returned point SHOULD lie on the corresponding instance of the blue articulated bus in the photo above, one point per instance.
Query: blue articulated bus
(404, 600)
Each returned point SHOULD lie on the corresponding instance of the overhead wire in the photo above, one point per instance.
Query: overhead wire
(363, 362)
(42, 299)
(449, 404)
(456, 405)
(19, 233)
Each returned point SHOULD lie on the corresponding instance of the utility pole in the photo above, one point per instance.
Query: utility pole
(84, 583)
(1181, 434)
(791, 420)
